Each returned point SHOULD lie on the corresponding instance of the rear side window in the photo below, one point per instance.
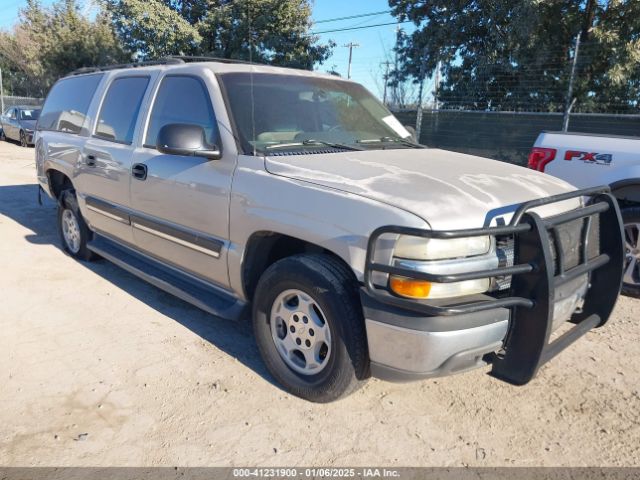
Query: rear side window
(29, 114)
(119, 112)
(182, 99)
(68, 103)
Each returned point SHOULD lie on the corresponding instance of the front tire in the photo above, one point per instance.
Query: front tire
(309, 327)
(23, 140)
(3, 137)
(631, 278)
(74, 232)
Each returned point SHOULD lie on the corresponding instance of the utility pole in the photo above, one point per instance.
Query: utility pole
(570, 100)
(437, 86)
(423, 73)
(1, 94)
(436, 103)
(395, 86)
(386, 80)
(587, 25)
(350, 46)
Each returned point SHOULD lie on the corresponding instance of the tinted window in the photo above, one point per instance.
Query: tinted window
(12, 113)
(29, 114)
(182, 100)
(120, 108)
(67, 104)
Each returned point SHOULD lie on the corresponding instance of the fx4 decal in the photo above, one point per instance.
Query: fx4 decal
(593, 157)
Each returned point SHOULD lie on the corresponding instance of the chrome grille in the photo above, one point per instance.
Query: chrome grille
(506, 253)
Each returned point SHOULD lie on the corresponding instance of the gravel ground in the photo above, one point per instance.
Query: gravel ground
(98, 368)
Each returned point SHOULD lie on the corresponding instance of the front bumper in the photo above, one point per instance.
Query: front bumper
(411, 339)
(406, 345)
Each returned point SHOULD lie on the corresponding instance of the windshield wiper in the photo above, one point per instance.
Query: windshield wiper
(391, 140)
(312, 142)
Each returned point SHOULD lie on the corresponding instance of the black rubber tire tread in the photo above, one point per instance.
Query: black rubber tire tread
(631, 214)
(335, 288)
(68, 200)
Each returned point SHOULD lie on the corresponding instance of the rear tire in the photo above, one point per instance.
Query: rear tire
(74, 232)
(309, 327)
(631, 279)
(3, 137)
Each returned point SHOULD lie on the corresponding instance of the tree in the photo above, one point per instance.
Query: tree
(516, 54)
(153, 29)
(46, 44)
(266, 31)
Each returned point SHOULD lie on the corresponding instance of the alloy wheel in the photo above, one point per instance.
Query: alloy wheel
(71, 230)
(300, 332)
(632, 254)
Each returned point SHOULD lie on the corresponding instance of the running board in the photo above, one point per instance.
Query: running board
(210, 299)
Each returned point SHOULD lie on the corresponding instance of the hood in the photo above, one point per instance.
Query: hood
(449, 190)
(28, 124)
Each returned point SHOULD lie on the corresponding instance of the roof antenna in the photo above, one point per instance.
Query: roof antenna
(253, 109)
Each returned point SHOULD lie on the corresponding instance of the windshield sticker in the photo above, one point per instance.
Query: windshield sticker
(396, 126)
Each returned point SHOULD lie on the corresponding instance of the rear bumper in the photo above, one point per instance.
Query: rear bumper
(411, 339)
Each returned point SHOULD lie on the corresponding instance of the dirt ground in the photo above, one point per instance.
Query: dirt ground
(98, 368)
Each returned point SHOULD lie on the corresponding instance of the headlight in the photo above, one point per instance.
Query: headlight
(456, 255)
(418, 248)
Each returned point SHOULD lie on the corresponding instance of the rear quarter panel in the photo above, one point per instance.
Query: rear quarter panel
(572, 165)
(62, 151)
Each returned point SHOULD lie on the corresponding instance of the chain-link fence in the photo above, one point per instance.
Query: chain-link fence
(508, 136)
(9, 101)
(497, 110)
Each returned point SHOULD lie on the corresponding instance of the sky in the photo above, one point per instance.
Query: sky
(375, 43)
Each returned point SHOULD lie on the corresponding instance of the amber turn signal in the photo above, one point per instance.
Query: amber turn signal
(410, 287)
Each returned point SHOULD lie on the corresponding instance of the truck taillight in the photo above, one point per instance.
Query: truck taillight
(539, 157)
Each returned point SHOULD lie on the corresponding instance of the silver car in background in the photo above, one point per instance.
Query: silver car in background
(19, 124)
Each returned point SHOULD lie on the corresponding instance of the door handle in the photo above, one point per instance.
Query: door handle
(91, 160)
(139, 171)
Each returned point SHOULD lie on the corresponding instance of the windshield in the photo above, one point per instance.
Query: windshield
(291, 112)
(29, 114)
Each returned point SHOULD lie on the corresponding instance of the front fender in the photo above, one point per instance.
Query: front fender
(332, 219)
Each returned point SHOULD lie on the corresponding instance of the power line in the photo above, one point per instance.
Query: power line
(352, 16)
(359, 28)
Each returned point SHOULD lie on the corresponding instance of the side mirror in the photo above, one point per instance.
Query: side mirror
(186, 139)
(412, 131)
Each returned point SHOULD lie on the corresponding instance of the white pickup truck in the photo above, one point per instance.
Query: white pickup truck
(587, 160)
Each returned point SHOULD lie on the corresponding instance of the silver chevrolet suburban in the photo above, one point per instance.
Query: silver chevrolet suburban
(297, 193)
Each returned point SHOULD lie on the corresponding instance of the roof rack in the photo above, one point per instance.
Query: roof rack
(195, 58)
(172, 60)
(168, 60)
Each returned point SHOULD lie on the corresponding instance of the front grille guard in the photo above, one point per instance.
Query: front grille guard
(535, 276)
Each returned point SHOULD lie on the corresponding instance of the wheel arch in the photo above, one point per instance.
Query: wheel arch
(627, 190)
(58, 182)
(266, 247)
